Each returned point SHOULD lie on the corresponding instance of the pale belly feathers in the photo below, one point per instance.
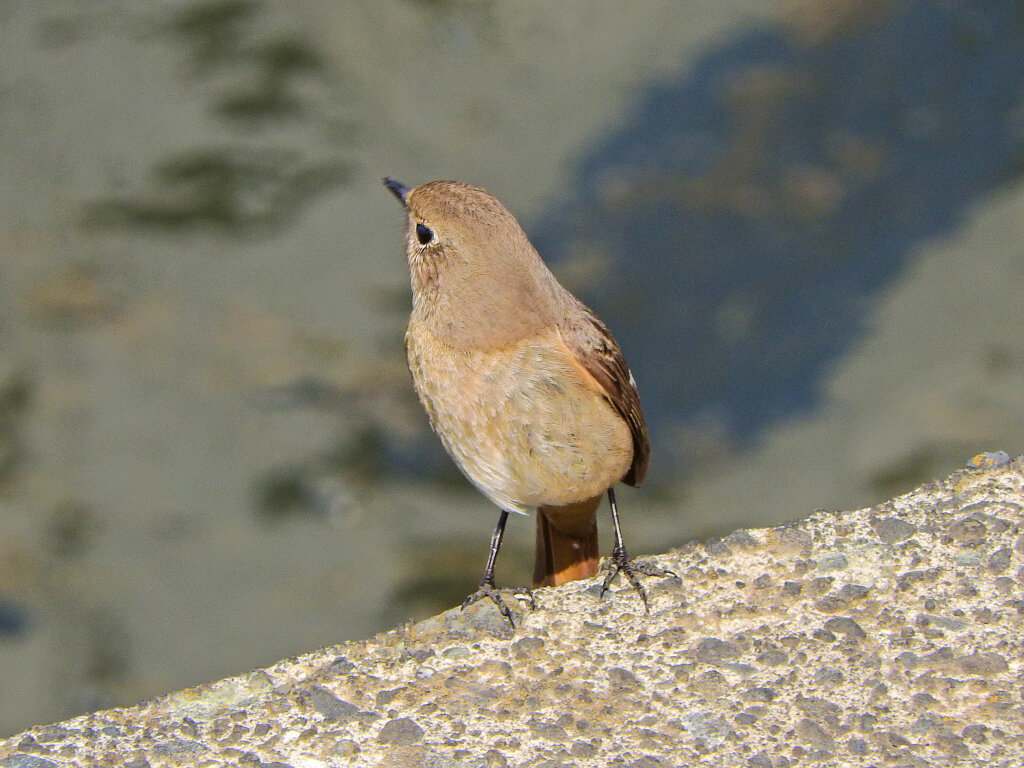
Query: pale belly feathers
(522, 422)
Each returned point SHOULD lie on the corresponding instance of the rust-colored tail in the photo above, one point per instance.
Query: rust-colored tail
(566, 543)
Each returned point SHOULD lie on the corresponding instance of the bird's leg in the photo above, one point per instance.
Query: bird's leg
(620, 562)
(487, 588)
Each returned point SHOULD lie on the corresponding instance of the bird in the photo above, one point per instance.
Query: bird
(526, 388)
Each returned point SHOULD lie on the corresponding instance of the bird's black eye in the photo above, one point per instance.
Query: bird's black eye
(424, 234)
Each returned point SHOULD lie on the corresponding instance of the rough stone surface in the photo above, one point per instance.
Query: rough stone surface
(884, 636)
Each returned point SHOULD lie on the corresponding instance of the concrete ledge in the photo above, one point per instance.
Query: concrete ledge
(890, 635)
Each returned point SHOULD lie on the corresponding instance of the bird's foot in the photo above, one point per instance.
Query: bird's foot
(490, 592)
(620, 562)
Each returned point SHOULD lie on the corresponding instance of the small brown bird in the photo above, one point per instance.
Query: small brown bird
(524, 385)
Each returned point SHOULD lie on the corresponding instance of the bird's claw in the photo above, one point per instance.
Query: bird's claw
(620, 562)
(488, 591)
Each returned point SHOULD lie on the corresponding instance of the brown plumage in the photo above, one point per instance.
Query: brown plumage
(524, 385)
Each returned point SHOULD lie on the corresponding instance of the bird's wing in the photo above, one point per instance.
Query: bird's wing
(594, 348)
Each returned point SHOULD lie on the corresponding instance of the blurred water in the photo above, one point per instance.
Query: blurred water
(747, 211)
(210, 455)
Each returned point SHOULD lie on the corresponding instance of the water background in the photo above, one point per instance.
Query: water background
(801, 221)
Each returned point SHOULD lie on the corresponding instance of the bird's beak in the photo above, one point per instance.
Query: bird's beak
(398, 189)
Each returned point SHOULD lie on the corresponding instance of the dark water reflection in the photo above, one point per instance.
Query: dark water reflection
(262, 96)
(743, 215)
(238, 191)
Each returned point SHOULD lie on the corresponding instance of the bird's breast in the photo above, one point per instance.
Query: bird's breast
(524, 421)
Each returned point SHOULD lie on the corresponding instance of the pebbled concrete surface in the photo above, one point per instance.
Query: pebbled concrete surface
(883, 636)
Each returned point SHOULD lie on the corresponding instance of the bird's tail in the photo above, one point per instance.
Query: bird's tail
(567, 547)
